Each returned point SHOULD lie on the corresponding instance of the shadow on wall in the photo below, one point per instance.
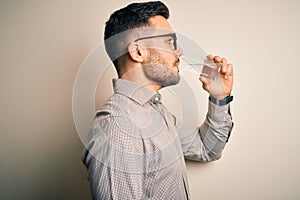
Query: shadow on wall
(59, 176)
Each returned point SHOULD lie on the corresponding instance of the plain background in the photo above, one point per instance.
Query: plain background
(43, 43)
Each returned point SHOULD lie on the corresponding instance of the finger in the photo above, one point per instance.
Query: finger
(217, 59)
(205, 82)
(229, 74)
(224, 60)
(224, 67)
(205, 87)
(210, 56)
(230, 71)
(203, 79)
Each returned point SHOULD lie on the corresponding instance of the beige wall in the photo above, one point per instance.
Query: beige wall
(43, 43)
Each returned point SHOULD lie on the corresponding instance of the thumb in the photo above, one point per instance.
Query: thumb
(205, 82)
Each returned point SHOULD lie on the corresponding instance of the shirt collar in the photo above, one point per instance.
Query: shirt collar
(135, 91)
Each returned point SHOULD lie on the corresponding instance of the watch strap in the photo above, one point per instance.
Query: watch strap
(221, 102)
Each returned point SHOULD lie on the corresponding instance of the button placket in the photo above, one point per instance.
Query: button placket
(157, 105)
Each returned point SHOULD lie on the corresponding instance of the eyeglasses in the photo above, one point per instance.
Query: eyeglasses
(173, 35)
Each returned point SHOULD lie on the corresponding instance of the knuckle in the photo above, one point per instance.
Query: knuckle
(224, 60)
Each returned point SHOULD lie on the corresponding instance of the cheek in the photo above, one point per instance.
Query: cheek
(162, 57)
(171, 59)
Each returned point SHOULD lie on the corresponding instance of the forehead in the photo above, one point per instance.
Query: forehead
(160, 24)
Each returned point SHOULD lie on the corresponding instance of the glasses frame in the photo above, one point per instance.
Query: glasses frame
(173, 35)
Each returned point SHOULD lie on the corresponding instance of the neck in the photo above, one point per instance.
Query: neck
(137, 75)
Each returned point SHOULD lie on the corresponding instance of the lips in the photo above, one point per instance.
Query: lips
(176, 67)
(177, 64)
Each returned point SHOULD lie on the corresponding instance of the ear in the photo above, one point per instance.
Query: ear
(135, 52)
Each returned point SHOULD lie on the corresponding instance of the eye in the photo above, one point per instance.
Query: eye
(170, 41)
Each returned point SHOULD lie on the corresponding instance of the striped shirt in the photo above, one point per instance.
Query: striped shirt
(136, 148)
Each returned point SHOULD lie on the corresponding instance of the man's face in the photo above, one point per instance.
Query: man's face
(162, 60)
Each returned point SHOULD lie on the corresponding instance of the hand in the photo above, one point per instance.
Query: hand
(223, 86)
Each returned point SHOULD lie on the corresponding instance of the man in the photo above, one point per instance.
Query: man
(136, 148)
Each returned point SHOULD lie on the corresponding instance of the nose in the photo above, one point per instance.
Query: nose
(179, 51)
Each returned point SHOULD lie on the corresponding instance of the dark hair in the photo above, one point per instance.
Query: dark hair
(134, 15)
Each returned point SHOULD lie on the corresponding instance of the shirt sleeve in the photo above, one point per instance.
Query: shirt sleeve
(109, 160)
(207, 142)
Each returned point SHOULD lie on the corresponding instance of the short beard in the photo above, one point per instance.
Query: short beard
(158, 70)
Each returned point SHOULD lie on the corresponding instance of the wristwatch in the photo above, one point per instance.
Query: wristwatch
(221, 102)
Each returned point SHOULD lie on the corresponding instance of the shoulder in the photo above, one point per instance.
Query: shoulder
(113, 125)
(116, 106)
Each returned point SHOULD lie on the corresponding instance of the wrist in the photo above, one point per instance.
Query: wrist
(222, 101)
